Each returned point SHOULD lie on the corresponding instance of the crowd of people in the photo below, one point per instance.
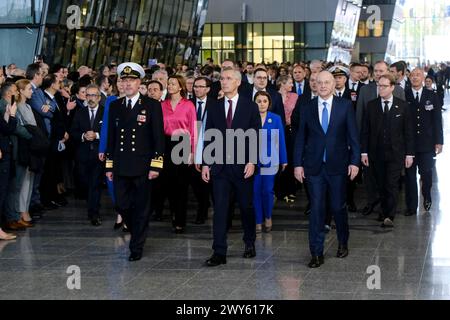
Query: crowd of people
(330, 127)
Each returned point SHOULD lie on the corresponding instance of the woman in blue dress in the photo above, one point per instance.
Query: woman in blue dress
(272, 154)
(104, 144)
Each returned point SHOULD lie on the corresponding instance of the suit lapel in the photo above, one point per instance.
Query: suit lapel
(237, 114)
(333, 114)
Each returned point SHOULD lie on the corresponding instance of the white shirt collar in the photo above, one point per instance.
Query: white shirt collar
(391, 101)
(235, 101)
(133, 100)
(341, 91)
(50, 95)
(255, 91)
(329, 102)
(419, 91)
(95, 110)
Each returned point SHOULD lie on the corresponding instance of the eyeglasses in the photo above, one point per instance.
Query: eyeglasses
(200, 87)
(92, 95)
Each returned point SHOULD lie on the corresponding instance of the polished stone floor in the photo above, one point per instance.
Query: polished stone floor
(413, 258)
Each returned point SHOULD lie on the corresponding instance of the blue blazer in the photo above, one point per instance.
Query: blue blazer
(104, 132)
(341, 140)
(37, 100)
(273, 122)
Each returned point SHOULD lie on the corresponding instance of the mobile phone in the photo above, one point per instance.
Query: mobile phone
(4, 71)
(13, 99)
(72, 98)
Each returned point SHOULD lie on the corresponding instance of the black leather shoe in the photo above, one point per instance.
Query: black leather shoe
(118, 225)
(50, 206)
(135, 256)
(157, 217)
(216, 260)
(409, 213)
(62, 202)
(125, 228)
(96, 222)
(342, 251)
(427, 205)
(351, 207)
(250, 252)
(368, 209)
(178, 230)
(316, 261)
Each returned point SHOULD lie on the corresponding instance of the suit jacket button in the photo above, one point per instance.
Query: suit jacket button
(133, 149)
(132, 142)
(123, 130)
(121, 143)
(121, 150)
(133, 137)
(121, 137)
(418, 132)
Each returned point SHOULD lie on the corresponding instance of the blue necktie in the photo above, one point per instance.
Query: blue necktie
(299, 90)
(199, 111)
(325, 125)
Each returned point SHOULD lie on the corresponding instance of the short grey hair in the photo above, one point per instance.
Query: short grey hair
(93, 86)
(237, 73)
(163, 72)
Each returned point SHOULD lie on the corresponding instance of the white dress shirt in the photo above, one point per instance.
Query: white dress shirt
(235, 100)
(415, 93)
(134, 100)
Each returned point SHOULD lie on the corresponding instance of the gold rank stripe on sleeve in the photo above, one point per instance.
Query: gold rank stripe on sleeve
(157, 162)
(109, 164)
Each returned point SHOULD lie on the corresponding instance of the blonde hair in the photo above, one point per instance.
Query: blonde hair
(21, 85)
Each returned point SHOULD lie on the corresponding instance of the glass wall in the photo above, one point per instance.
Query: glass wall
(95, 32)
(265, 42)
(123, 30)
(19, 30)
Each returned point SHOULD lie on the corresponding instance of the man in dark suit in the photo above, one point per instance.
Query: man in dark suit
(398, 69)
(202, 190)
(426, 119)
(301, 85)
(261, 84)
(368, 93)
(232, 115)
(134, 154)
(216, 89)
(326, 152)
(387, 144)
(85, 132)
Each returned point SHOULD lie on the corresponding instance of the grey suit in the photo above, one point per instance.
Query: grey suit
(369, 93)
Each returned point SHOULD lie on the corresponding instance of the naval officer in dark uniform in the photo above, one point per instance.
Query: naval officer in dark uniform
(134, 154)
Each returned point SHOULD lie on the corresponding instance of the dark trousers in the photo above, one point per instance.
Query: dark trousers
(285, 182)
(319, 186)
(370, 185)
(425, 162)
(5, 170)
(202, 191)
(223, 184)
(91, 174)
(50, 178)
(387, 176)
(133, 200)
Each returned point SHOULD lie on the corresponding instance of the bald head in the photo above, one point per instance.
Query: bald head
(417, 78)
(325, 84)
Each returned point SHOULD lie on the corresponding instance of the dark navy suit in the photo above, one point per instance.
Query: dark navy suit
(341, 144)
(226, 177)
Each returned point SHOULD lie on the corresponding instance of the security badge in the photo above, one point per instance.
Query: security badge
(428, 106)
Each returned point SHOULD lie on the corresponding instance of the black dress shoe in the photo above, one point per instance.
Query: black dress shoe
(178, 230)
(135, 256)
(157, 217)
(367, 209)
(125, 229)
(62, 202)
(409, 213)
(118, 225)
(249, 252)
(96, 222)
(316, 261)
(351, 207)
(342, 251)
(427, 205)
(50, 206)
(216, 260)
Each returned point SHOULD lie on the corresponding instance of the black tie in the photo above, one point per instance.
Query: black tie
(92, 118)
(386, 107)
(354, 84)
(417, 97)
(129, 106)
(340, 94)
(199, 111)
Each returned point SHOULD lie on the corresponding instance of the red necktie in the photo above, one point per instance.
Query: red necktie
(230, 114)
